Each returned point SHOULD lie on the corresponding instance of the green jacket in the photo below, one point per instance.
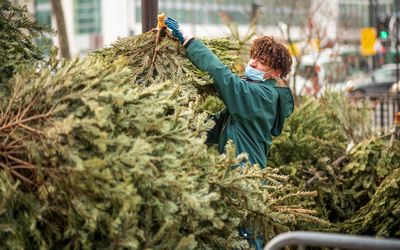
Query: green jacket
(254, 111)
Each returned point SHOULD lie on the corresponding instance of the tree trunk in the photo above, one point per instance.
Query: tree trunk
(62, 31)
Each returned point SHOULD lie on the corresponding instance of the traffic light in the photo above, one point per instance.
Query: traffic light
(383, 28)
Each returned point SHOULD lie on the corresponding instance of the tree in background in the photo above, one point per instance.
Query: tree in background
(308, 28)
(314, 147)
(380, 216)
(56, 7)
(316, 21)
(109, 152)
(16, 33)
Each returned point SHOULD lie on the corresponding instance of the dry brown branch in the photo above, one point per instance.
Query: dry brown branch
(31, 167)
(339, 161)
(160, 32)
(23, 178)
(25, 120)
(140, 51)
(30, 129)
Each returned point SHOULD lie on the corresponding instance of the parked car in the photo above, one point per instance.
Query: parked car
(379, 80)
(395, 89)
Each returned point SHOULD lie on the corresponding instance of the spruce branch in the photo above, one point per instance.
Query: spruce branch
(119, 160)
(5, 199)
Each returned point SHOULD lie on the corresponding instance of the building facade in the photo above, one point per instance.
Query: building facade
(94, 24)
(90, 24)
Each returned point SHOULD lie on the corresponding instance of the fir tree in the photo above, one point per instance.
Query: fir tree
(16, 33)
(368, 164)
(381, 216)
(154, 59)
(312, 148)
(108, 153)
(89, 161)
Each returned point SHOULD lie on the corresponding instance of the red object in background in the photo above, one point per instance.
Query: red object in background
(397, 118)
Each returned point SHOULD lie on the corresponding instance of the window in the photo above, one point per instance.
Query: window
(138, 12)
(43, 15)
(201, 12)
(354, 15)
(381, 74)
(284, 11)
(87, 16)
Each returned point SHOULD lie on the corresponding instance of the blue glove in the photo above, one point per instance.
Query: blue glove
(174, 26)
(176, 31)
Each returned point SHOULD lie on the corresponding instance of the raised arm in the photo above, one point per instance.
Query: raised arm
(243, 99)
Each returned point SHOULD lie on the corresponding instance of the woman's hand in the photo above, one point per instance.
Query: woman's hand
(177, 31)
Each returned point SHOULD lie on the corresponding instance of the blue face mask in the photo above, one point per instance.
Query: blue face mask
(255, 74)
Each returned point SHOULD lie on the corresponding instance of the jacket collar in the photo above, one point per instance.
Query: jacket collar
(270, 81)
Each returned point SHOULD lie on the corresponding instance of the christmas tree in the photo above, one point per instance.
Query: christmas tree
(369, 162)
(154, 57)
(108, 153)
(16, 33)
(380, 216)
(312, 150)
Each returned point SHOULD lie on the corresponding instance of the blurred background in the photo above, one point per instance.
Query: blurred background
(93, 24)
(347, 45)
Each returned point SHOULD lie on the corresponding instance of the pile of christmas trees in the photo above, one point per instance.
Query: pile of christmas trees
(315, 151)
(108, 153)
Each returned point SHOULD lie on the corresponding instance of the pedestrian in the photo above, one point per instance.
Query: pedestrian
(255, 108)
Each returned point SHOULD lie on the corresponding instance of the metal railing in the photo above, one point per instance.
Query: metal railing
(384, 107)
(331, 240)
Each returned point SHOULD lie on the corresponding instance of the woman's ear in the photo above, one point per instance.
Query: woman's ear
(277, 73)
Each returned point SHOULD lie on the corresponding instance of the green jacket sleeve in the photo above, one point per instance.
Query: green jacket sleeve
(220, 119)
(243, 99)
(285, 107)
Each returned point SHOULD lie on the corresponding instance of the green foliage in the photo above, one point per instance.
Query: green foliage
(16, 33)
(369, 163)
(5, 226)
(352, 118)
(266, 208)
(211, 104)
(153, 61)
(312, 148)
(381, 216)
(108, 153)
(106, 164)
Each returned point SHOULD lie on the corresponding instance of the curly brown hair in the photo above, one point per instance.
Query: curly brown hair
(272, 53)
